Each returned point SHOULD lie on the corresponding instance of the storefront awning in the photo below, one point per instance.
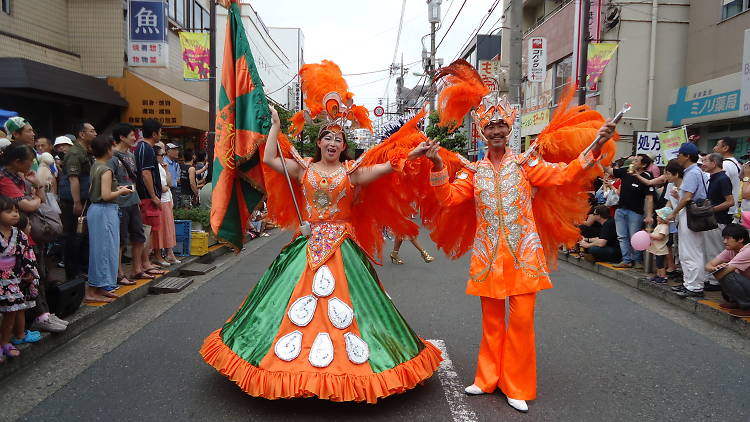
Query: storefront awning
(150, 99)
(28, 75)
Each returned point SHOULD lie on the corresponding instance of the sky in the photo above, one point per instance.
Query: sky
(360, 35)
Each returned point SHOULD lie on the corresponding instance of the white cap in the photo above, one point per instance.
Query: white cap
(172, 146)
(63, 140)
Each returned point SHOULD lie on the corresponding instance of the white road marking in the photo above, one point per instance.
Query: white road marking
(454, 390)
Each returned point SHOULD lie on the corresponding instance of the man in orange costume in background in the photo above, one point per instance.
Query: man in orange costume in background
(507, 257)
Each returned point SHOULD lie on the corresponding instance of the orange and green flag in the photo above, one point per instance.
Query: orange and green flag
(242, 124)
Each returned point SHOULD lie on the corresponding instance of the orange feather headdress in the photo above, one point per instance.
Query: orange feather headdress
(326, 91)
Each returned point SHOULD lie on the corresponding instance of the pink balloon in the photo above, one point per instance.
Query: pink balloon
(640, 241)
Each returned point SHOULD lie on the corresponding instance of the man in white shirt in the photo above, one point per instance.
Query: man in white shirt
(732, 167)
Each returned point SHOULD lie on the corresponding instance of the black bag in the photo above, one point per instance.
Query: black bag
(66, 297)
(700, 215)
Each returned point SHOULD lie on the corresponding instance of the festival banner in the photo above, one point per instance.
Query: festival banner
(242, 124)
(195, 55)
(600, 53)
(670, 142)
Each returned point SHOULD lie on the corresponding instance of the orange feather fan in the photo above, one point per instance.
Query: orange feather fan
(297, 123)
(362, 116)
(389, 201)
(452, 238)
(559, 209)
(464, 90)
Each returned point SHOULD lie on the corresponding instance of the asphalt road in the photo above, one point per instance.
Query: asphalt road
(605, 353)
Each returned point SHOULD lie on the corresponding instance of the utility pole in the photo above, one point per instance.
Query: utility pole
(212, 87)
(400, 88)
(583, 50)
(433, 16)
(515, 69)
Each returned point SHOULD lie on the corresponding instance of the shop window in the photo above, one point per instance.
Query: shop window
(732, 8)
(180, 12)
(206, 21)
(563, 77)
(6, 6)
(198, 23)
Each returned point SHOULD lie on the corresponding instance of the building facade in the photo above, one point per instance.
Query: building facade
(648, 66)
(713, 101)
(66, 61)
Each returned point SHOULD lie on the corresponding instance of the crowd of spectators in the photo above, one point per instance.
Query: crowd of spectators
(88, 204)
(631, 197)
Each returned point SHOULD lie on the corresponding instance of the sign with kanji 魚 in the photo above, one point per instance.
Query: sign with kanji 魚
(537, 59)
(147, 33)
(648, 143)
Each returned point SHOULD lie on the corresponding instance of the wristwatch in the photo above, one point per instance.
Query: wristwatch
(746, 179)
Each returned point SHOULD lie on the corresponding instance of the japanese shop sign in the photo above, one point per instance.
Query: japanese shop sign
(648, 143)
(534, 123)
(147, 33)
(489, 71)
(537, 59)
(164, 109)
(670, 142)
(715, 99)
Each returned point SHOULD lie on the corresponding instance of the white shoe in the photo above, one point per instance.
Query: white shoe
(54, 318)
(473, 390)
(519, 405)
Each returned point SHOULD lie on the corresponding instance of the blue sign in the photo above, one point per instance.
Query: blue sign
(148, 20)
(702, 105)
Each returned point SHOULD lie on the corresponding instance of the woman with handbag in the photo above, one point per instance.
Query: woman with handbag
(103, 221)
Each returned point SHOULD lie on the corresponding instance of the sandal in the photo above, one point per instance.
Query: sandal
(10, 351)
(29, 337)
(142, 275)
(126, 282)
(155, 271)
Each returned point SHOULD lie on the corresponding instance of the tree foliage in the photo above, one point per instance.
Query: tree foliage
(455, 141)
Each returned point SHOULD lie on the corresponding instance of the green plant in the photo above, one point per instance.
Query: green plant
(201, 216)
(455, 141)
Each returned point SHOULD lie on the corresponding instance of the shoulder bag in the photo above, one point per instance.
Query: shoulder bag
(700, 214)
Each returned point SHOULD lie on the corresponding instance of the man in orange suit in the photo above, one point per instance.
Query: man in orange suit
(508, 262)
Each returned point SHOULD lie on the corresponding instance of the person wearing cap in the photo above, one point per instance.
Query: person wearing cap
(61, 147)
(692, 244)
(173, 166)
(20, 130)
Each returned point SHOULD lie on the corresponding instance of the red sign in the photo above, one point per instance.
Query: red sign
(379, 111)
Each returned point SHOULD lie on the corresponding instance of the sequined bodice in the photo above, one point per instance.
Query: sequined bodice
(328, 197)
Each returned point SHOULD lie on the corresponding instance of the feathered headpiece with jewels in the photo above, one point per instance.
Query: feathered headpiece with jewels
(326, 91)
(494, 108)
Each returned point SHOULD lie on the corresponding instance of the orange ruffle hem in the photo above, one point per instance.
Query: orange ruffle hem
(259, 382)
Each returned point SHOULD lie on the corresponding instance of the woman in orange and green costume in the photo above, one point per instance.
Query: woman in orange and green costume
(319, 322)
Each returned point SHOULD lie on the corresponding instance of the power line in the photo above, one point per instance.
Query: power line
(479, 28)
(451, 25)
(378, 71)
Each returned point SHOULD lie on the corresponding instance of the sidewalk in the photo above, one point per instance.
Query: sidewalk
(90, 314)
(706, 308)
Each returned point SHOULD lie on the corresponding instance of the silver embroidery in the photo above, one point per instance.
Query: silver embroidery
(321, 352)
(289, 346)
(323, 282)
(356, 348)
(339, 313)
(302, 310)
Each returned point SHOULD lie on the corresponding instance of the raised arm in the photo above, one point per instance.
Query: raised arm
(365, 175)
(271, 153)
(449, 194)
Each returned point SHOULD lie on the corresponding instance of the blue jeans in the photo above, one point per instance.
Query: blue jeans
(628, 223)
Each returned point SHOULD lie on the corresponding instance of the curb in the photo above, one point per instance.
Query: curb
(699, 307)
(88, 316)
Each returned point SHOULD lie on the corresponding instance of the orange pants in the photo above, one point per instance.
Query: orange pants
(507, 356)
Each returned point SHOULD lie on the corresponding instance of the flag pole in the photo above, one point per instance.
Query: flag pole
(304, 226)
